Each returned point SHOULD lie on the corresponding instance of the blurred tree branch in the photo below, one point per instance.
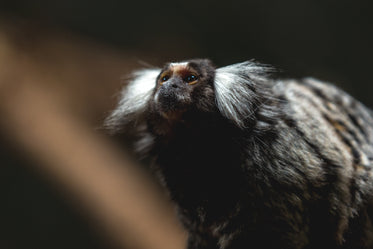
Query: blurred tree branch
(41, 120)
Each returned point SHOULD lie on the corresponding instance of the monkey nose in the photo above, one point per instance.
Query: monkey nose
(174, 83)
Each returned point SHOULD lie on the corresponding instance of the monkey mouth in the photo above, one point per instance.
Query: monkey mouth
(171, 110)
(171, 106)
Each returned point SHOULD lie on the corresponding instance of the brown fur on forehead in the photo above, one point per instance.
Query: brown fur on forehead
(180, 69)
(200, 67)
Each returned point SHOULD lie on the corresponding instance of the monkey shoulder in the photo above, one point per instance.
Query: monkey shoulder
(335, 133)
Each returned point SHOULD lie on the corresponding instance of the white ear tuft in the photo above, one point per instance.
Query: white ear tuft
(134, 99)
(236, 90)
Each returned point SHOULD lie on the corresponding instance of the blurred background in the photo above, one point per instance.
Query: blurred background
(61, 65)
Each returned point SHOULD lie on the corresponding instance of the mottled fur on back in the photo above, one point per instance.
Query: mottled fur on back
(253, 162)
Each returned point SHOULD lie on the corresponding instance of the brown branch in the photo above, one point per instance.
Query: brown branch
(98, 175)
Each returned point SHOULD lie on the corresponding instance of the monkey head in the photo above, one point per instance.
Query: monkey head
(187, 91)
(184, 86)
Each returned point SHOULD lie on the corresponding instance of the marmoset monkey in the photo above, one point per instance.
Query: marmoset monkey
(253, 162)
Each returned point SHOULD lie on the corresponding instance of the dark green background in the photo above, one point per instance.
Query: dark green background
(328, 39)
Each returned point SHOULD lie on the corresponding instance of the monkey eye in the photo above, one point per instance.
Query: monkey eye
(164, 78)
(191, 78)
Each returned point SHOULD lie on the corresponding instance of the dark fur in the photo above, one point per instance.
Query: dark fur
(296, 172)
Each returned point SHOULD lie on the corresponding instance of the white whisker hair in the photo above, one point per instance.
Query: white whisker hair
(234, 89)
(134, 98)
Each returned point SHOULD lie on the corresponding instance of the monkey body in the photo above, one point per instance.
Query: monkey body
(252, 162)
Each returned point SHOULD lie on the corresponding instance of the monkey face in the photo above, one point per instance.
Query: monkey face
(182, 86)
